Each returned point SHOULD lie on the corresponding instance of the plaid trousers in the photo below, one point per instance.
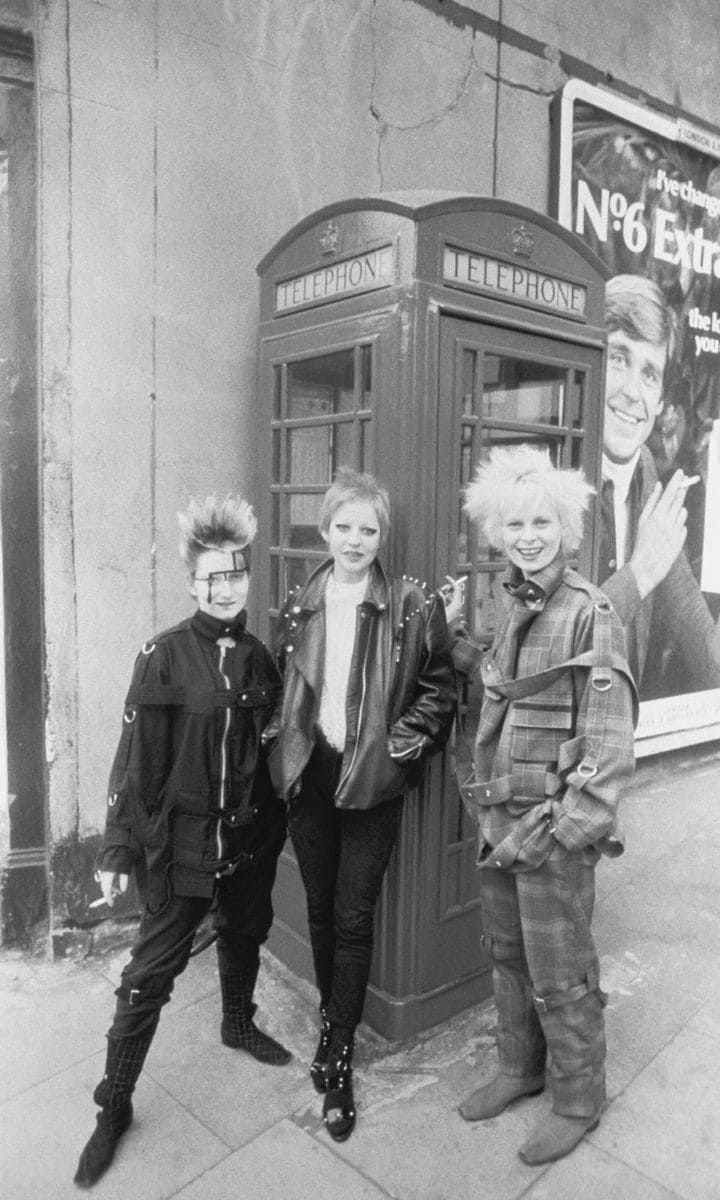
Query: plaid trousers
(546, 977)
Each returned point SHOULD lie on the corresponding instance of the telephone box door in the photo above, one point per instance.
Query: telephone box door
(496, 387)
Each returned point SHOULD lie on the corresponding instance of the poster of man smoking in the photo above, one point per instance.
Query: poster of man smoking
(642, 189)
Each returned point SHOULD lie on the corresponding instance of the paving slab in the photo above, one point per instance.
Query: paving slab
(665, 1125)
(590, 1174)
(283, 1164)
(46, 1127)
(49, 1020)
(232, 1094)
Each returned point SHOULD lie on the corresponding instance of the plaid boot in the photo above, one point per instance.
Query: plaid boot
(124, 1062)
(238, 1029)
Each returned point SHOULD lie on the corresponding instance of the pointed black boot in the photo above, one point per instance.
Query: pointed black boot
(317, 1066)
(125, 1058)
(238, 1030)
(339, 1112)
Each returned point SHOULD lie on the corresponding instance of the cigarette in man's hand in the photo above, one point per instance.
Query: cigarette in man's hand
(97, 903)
(688, 480)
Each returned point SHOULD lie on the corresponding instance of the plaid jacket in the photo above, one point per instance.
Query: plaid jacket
(554, 744)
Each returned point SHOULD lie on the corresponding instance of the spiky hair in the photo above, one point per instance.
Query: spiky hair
(208, 524)
(496, 485)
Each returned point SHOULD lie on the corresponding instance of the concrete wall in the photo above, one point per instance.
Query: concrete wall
(178, 140)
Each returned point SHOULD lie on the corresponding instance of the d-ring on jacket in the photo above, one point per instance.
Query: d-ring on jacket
(401, 693)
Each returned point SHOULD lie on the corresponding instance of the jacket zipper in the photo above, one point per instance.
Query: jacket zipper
(223, 755)
(360, 718)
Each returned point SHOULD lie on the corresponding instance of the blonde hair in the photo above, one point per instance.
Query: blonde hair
(350, 485)
(496, 484)
(210, 523)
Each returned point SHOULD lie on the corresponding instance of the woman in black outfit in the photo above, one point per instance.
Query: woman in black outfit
(369, 690)
(190, 791)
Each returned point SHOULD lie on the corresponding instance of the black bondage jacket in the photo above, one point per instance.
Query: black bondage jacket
(189, 784)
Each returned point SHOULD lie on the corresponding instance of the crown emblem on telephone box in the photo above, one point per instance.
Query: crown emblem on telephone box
(329, 239)
(523, 241)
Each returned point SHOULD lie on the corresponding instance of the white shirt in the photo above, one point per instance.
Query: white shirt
(341, 601)
(621, 475)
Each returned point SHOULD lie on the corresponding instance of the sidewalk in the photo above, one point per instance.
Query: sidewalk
(212, 1124)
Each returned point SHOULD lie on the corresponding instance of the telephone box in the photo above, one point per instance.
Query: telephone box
(406, 335)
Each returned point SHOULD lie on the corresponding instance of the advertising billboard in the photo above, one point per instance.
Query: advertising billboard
(642, 189)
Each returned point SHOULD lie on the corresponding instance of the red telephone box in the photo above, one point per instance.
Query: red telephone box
(407, 334)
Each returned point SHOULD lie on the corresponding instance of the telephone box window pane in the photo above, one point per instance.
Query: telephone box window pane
(467, 463)
(275, 520)
(276, 456)
(303, 533)
(488, 606)
(275, 597)
(343, 443)
(578, 416)
(484, 552)
(469, 372)
(463, 539)
(366, 367)
(466, 453)
(365, 452)
(516, 389)
(321, 386)
(297, 571)
(308, 456)
(277, 393)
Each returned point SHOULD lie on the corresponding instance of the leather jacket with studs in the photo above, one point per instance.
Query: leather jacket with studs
(401, 693)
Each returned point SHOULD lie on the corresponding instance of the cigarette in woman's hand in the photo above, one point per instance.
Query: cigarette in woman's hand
(447, 590)
(688, 480)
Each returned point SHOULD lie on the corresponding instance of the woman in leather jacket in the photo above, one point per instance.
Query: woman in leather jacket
(369, 690)
(191, 794)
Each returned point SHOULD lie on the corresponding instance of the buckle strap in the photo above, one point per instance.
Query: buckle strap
(599, 660)
(545, 1004)
(229, 866)
(200, 699)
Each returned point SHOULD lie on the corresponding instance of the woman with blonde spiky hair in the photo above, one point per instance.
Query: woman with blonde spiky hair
(496, 485)
(190, 789)
(554, 748)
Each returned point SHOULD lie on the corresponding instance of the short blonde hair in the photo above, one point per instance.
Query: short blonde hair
(350, 485)
(496, 484)
(210, 523)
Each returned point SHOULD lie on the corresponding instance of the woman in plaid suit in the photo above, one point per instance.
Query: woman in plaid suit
(553, 751)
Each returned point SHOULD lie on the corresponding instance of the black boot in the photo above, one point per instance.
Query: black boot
(125, 1058)
(238, 1029)
(317, 1066)
(339, 1112)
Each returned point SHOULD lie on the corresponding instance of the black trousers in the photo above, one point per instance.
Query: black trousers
(242, 918)
(343, 855)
